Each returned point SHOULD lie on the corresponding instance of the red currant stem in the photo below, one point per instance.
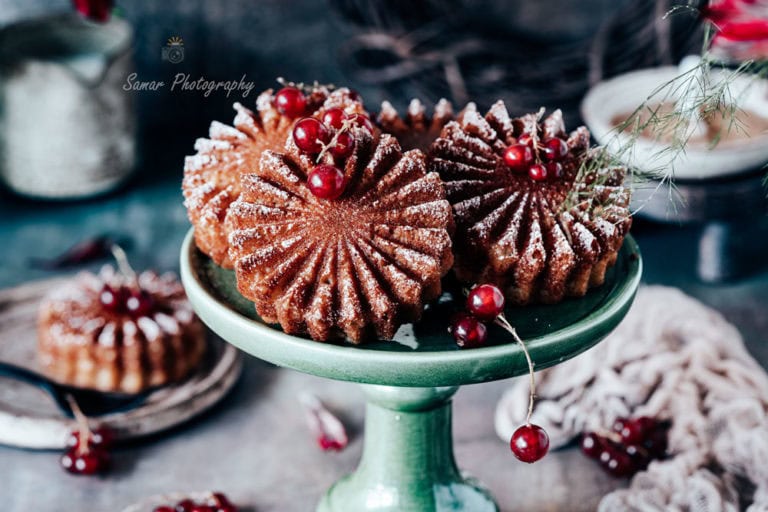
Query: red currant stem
(122, 263)
(502, 321)
(613, 436)
(83, 429)
(346, 125)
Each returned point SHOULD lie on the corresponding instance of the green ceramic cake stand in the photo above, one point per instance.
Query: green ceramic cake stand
(407, 463)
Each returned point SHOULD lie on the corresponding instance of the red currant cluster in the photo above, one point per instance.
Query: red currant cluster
(629, 447)
(87, 451)
(540, 159)
(216, 502)
(485, 303)
(331, 135)
(126, 300)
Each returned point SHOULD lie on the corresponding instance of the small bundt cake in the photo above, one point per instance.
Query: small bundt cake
(110, 333)
(348, 243)
(212, 176)
(415, 130)
(535, 212)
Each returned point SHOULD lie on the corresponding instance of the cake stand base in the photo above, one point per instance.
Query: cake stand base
(407, 463)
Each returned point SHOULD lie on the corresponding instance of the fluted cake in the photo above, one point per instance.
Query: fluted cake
(106, 333)
(542, 223)
(212, 176)
(354, 267)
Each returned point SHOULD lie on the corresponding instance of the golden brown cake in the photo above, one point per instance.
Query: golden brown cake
(354, 267)
(212, 176)
(416, 129)
(528, 220)
(103, 332)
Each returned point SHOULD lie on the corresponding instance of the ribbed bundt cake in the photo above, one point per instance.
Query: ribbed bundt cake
(535, 213)
(346, 246)
(111, 333)
(212, 176)
(417, 129)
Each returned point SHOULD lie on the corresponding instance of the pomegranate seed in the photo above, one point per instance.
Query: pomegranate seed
(334, 117)
(518, 156)
(326, 182)
(344, 146)
(139, 303)
(537, 172)
(309, 134)
(529, 443)
(554, 149)
(468, 331)
(290, 102)
(486, 302)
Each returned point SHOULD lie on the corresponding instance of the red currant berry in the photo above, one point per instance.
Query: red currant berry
(468, 331)
(163, 508)
(184, 505)
(326, 181)
(100, 437)
(554, 150)
(647, 424)
(290, 102)
(537, 172)
(334, 117)
(518, 156)
(631, 431)
(363, 121)
(640, 457)
(329, 445)
(113, 299)
(529, 443)
(200, 507)
(591, 445)
(618, 464)
(96, 10)
(555, 170)
(525, 139)
(222, 503)
(656, 442)
(344, 146)
(486, 302)
(139, 303)
(309, 134)
(83, 462)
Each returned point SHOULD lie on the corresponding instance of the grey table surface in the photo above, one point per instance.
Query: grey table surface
(255, 445)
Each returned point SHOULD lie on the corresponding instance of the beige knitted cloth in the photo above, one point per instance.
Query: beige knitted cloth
(671, 357)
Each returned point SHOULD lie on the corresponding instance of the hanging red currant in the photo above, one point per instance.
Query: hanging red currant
(518, 157)
(485, 302)
(529, 443)
(290, 102)
(310, 135)
(326, 181)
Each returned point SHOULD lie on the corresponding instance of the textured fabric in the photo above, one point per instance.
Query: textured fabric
(671, 357)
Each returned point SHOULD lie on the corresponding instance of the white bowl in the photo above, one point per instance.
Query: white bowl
(624, 93)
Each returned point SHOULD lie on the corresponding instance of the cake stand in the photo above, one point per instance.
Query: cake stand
(407, 462)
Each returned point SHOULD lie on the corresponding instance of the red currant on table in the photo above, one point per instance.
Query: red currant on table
(529, 443)
(290, 102)
(486, 302)
(344, 146)
(139, 303)
(163, 508)
(518, 156)
(468, 331)
(334, 117)
(84, 462)
(591, 444)
(326, 181)
(100, 437)
(554, 149)
(538, 172)
(309, 134)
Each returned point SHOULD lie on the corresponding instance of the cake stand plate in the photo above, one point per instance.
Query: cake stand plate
(407, 463)
(28, 416)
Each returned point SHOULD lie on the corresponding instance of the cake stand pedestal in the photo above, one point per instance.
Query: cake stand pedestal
(408, 463)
